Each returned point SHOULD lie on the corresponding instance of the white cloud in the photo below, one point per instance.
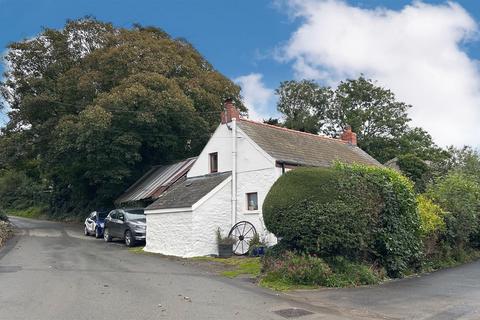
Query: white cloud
(416, 52)
(256, 96)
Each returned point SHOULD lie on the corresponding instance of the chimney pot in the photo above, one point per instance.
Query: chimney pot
(229, 111)
(349, 136)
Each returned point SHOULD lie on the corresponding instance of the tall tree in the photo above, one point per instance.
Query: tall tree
(93, 105)
(380, 121)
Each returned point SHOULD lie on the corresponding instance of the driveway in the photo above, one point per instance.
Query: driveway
(51, 271)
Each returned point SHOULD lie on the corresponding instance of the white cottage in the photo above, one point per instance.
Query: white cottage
(231, 178)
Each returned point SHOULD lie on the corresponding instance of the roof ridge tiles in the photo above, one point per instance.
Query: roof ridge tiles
(294, 131)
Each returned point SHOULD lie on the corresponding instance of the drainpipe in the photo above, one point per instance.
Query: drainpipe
(234, 171)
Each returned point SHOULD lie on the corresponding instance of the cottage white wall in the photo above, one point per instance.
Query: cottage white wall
(190, 234)
(256, 172)
(259, 181)
(169, 233)
(214, 213)
(249, 157)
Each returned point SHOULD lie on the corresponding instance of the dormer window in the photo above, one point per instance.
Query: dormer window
(213, 162)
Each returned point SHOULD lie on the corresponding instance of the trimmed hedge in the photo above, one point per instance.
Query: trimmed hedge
(362, 213)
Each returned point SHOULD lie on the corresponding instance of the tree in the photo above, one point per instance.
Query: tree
(380, 121)
(302, 104)
(93, 106)
(273, 121)
(416, 169)
(465, 160)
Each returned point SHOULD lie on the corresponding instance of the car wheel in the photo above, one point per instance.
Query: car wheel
(129, 240)
(85, 231)
(106, 236)
(97, 233)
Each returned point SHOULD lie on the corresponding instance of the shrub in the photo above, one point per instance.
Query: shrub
(221, 240)
(459, 195)
(347, 273)
(353, 211)
(3, 215)
(297, 269)
(19, 191)
(431, 217)
(293, 269)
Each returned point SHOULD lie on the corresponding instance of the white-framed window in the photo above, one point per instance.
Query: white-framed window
(213, 162)
(252, 201)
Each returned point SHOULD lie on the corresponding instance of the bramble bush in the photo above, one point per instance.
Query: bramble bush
(358, 212)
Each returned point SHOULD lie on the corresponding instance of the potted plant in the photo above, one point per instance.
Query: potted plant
(225, 245)
(256, 246)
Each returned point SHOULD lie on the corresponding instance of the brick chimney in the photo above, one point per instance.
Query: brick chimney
(349, 136)
(229, 112)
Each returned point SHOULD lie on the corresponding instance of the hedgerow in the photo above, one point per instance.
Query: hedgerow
(359, 212)
(459, 195)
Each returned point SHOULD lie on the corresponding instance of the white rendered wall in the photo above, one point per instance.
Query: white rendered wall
(169, 233)
(212, 214)
(189, 234)
(249, 156)
(259, 181)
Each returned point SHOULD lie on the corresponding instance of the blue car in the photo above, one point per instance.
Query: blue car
(95, 223)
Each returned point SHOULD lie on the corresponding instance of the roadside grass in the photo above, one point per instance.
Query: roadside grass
(31, 212)
(276, 281)
(237, 266)
(449, 261)
(138, 250)
(228, 267)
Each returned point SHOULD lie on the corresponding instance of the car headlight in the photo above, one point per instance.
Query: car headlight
(139, 229)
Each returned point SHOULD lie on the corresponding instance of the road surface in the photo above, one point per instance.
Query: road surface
(52, 271)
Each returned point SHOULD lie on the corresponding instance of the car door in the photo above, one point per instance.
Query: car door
(110, 222)
(120, 224)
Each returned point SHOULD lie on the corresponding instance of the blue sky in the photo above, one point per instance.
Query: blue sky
(253, 41)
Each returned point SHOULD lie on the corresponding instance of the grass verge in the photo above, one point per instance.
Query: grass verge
(31, 212)
(235, 266)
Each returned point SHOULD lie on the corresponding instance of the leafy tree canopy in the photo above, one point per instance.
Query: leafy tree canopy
(93, 105)
(380, 121)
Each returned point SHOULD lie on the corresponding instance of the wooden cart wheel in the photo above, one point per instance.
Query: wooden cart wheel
(242, 232)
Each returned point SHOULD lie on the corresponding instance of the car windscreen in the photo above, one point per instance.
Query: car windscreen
(135, 215)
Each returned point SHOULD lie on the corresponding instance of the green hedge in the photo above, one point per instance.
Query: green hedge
(362, 213)
(459, 195)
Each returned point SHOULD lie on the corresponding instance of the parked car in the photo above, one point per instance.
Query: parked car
(127, 224)
(94, 223)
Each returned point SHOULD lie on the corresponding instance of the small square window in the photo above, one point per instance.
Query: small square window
(213, 162)
(252, 201)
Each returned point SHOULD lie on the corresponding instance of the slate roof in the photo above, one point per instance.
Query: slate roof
(188, 192)
(300, 148)
(158, 179)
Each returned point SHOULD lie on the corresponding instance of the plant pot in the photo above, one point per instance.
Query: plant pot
(257, 251)
(261, 251)
(225, 250)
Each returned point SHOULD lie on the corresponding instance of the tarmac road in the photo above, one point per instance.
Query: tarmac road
(52, 271)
